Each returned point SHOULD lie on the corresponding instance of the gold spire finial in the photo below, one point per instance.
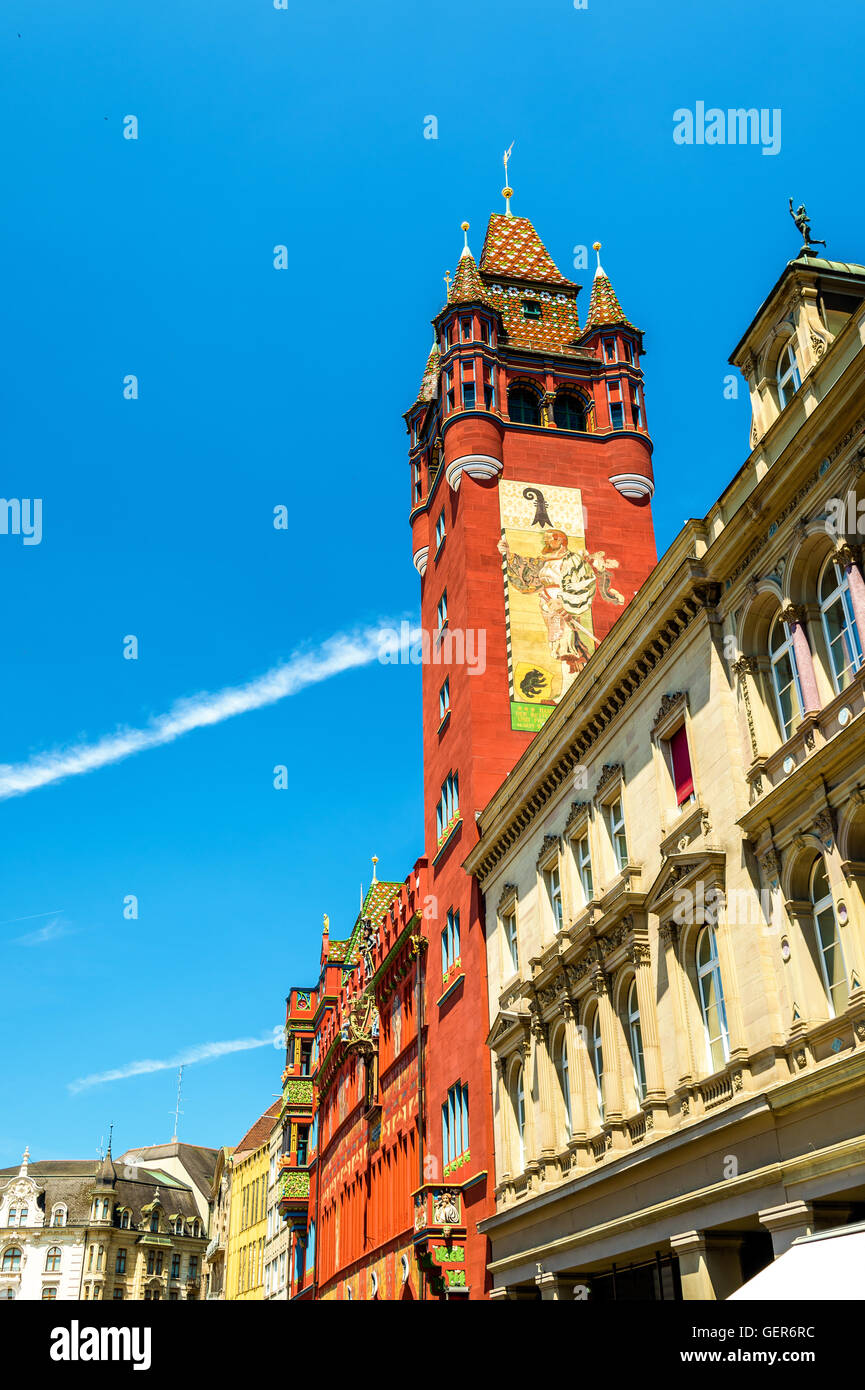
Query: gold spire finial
(596, 247)
(507, 191)
(374, 862)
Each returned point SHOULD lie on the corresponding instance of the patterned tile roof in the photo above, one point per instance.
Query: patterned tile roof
(428, 387)
(513, 249)
(468, 287)
(377, 900)
(554, 331)
(604, 306)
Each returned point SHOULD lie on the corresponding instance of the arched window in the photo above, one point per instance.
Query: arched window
(52, 1259)
(564, 1079)
(785, 677)
(569, 411)
(789, 377)
(523, 406)
(154, 1222)
(635, 1042)
(124, 1221)
(832, 966)
(58, 1216)
(597, 1055)
(49, 1293)
(839, 625)
(518, 1097)
(11, 1260)
(712, 1006)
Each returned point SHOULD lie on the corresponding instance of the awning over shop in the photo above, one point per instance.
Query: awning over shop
(828, 1266)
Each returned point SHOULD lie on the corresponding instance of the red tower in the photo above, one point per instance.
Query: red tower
(531, 481)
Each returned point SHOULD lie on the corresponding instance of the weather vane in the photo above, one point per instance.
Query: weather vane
(507, 191)
(803, 222)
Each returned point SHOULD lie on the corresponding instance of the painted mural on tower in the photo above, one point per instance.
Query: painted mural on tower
(551, 581)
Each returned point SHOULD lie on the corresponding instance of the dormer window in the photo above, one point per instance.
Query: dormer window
(531, 309)
(789, 376)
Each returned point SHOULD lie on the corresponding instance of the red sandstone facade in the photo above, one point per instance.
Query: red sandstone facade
(514, 391)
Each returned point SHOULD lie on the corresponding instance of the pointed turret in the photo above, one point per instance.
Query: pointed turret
(429, 384)
(604, 307)
(468, 287)
(107, 1173)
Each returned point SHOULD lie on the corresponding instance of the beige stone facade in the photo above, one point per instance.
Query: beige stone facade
(674, 874)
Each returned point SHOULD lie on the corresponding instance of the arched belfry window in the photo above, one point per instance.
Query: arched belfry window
(569, 411)
(839, 625)
(524, 405)
(789, 376)
(785, 677)
(831, 952)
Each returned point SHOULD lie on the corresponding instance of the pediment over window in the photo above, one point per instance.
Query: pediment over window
(695, 873)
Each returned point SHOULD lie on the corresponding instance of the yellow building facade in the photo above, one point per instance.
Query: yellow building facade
(247, 1232)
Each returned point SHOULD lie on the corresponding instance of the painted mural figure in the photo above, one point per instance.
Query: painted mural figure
(566, 582)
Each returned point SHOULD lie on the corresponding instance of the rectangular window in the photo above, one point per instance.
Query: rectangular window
(616, 823)
(466, 326)
(629, 351)
(617, 410)
(118, 1295)
(610, 350)
(305, 1056)
(193, 1266)
(448, 807)
(175, 1266)
(449, 388)
(489, 387)
(468, 395)
(451, 941)
(679, 759)
(416, 484)
(584, 866)
(302, 1145)
(553, 884)
(509, 922)
(445, 698)
(455, 1124)
(159, 1259)
(486, 334)
(442, 611)
(636, 408)
(120, 1262)
(440, 530)
(531, 309)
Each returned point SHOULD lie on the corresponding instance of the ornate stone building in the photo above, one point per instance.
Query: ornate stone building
(72, 1229)
(674, 874)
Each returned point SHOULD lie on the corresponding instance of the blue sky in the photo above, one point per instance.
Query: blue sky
(303, 127)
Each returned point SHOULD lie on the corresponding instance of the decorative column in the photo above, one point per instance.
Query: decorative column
(795, 617)
(709, 1264)
(545, 1106)
(524, 1048)
(848, 560)
(685, 1059)
(500, 1135)
(641, 958)
(612, 1083)
(576, 1080)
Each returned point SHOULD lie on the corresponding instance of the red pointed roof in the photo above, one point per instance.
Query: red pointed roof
(428, 386)
(513, 250)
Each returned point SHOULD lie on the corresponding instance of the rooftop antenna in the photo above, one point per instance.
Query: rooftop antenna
(177, 1110)
(110, 1133)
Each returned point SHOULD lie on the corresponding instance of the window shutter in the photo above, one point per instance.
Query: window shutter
(681, 759)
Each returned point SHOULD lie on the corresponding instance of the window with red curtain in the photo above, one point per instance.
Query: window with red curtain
(681, 761)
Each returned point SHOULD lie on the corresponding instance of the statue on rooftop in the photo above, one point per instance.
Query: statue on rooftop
(803, 223)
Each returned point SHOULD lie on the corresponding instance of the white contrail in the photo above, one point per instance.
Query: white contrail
(337, 654)
(204, 1052)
